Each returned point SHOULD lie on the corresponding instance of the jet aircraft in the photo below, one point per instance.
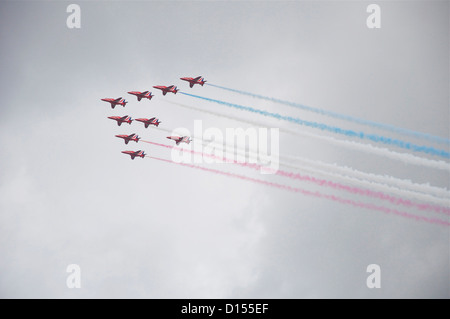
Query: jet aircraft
(198, 80)
(114, 102)
(142, 95)
(121, 119)
(165, 89)
(127, 138)
(179, 139)
(147, 122)
(134, 154)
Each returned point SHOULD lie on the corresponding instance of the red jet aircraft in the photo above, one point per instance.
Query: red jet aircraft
(154, 121)
(114, 102)
(133, 154)
(122, 119)
(142, 95)
(198, 80)
(173, 89)
(127, 138)
(179, 139)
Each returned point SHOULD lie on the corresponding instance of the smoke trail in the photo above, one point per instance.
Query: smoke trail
(322, 182)
(417, 195)
(407, 188)
(387, 127)
(401, 187)
(314, 194)
(369, 177)
(424, 192)
(336, 130)
(162, 129)
(368, 148)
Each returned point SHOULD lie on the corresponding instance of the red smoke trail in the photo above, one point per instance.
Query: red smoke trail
(322, 182)
(365, 192)
(313, 194)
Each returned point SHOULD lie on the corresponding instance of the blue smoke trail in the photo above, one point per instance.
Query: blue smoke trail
(436, 139)
(337, 130)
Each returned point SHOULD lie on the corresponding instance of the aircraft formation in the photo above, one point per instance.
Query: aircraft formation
(424, 197)
(151, 121)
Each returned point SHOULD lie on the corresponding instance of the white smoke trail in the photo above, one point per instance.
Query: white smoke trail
(392, 128)
(383, 183)
(399, 186)
(368, 148)
(335, 130)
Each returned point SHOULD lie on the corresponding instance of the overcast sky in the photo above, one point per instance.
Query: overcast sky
(149, 229)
